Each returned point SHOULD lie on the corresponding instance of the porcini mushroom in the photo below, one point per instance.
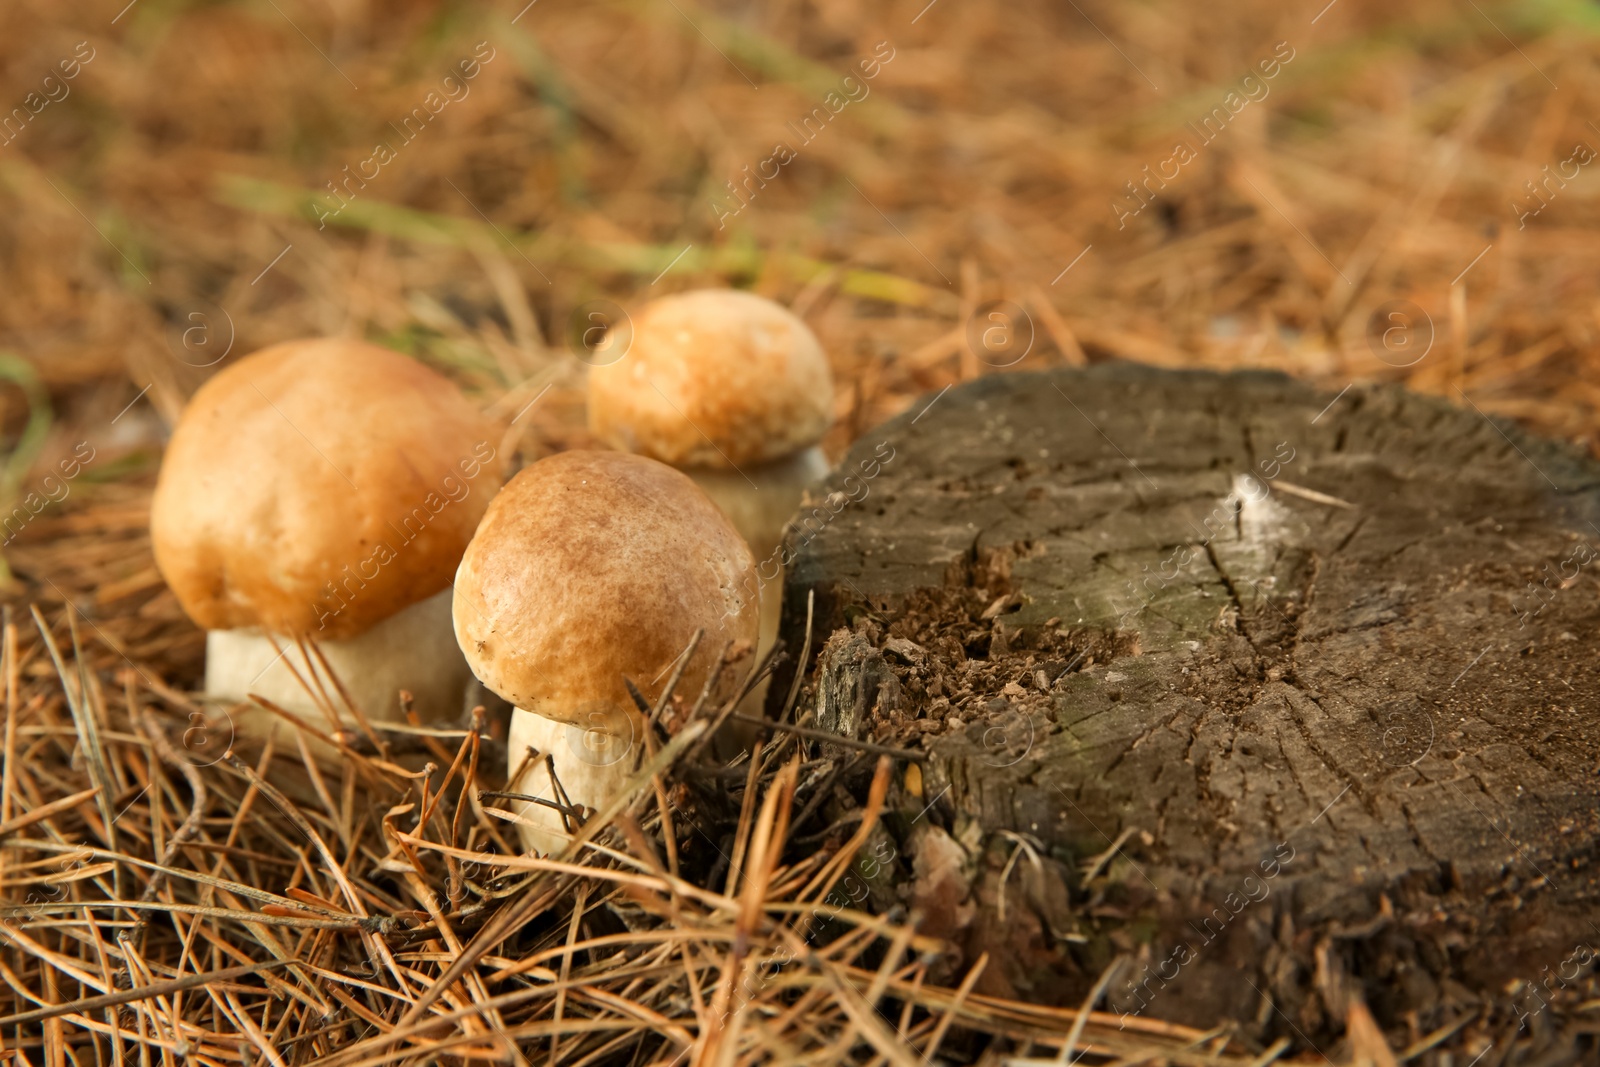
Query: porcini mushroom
(325, 489)
(590, 567)
(735, 391)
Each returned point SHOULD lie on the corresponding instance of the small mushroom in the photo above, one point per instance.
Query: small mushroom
(324, 489)
(735, 391)
(590, 567)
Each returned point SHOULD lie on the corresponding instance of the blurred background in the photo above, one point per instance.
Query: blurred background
(1344, 191)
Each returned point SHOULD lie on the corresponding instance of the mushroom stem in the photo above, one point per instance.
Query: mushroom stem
(592, 764)
(761, 512)
(414, 649)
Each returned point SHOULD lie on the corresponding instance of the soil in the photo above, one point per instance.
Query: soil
(1310, 681)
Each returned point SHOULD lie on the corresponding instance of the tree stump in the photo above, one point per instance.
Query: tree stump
(1310, 681)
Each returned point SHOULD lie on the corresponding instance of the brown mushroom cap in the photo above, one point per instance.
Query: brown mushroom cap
(318, 487)
(594, 565)
(714, 378)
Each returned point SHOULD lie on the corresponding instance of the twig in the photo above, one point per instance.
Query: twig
(833, 738)
(149, 992)
(513, 916)
(190, 825)
(1106, 977)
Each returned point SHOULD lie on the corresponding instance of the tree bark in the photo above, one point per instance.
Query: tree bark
(1322, 668)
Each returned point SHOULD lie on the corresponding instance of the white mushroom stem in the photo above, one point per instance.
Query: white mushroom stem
(592, 764)
(760, 500)
(415, 649)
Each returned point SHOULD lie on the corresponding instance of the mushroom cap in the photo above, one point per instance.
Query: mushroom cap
(318, 487)
(594, 565)
(714, 378)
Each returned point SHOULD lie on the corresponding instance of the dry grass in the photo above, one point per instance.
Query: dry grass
(185, 907)
(176, 181)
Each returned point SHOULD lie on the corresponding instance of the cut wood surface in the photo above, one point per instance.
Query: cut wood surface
(1317, 674)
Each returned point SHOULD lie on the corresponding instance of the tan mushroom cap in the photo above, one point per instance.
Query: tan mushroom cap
(714, 378)
(594, 565)
(318, 487)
